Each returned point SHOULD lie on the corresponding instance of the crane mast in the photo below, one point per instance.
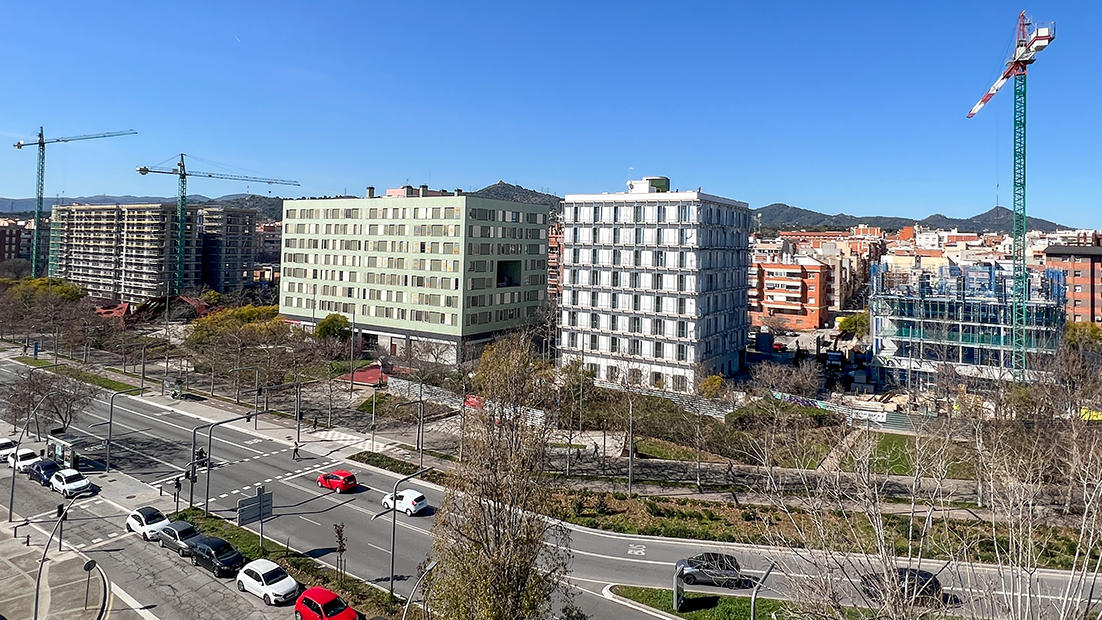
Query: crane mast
(1031, 38)
(36, 247)
(175, 286)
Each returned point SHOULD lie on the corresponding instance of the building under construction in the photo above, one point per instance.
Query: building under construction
(925, 322)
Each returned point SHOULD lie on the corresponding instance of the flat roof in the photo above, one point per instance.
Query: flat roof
(1077, 250)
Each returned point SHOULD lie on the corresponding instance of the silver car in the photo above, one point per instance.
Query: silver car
(180, 536)
(715, 569)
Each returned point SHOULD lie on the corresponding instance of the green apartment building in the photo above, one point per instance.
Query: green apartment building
(415, 266)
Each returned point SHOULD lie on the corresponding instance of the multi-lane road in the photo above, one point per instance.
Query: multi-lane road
(152, 447)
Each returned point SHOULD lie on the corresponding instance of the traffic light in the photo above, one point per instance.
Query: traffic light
(61, 511)
(177, 484)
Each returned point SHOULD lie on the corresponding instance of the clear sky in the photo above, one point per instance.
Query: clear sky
(855, 107)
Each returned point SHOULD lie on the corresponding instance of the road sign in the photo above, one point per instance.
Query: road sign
(256, 508)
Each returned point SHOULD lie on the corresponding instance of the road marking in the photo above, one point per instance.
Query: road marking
(637, 549)
(223, 496)
(134, 605)
(308, 520)
(268, 480)
(112, 534)
(96, 540)
(386, 551)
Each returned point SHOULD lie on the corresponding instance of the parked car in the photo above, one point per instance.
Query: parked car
(22, 459)
(779, 346)
(321, 604)
(715, 569)
(7, 446)
(267, 580)
(912, 586)
(410, 501)
(70, 482)
(180, 536)
(147, 521)
(42, 471)
(341, 481)
(217, 556)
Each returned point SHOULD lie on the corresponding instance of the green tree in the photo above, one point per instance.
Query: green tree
(857, 324)
(1083, 336)
(711, 386)
(490, 523)
(333, 326)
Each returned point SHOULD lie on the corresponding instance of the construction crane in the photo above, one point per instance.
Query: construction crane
(1031, 39)
(42, 142)
(181, 208)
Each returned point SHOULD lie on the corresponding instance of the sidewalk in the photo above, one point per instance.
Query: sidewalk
(61, 595)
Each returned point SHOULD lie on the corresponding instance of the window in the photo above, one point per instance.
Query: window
(614, 346)
(658, 237)
(681, 305)
(638, 213)
(683, 213)
(595, 235)
(616, 214)
(593, 299)
(638, 236)
(596, 216)
(657, 327)
(612, 300)
(659, 258)
(682, 236)
(594, 257)
(682, 329)
(1079, 274)
(636, 324)
(661, 213)
(573, 276)
(658, 303)
(634, 279)
(577, 214)
(576, 256)
(573, 318)
(577, 234)
(680, 383)
(811, 287)
(615, 236)
(594, 278)
(616, 277)
(635, 303)
(593, 342)
(681, 352)
(1078, 288)
(656, 380)
(616, 257)
(613, 373)
(573, 298)
(573, 340)
(635, 347)
(656, 282)
(658, 350)
(681, 260)
(637, 257)
(613, 323)
(681, 282)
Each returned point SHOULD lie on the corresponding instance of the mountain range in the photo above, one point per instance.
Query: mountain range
(776, 216)
(779, 216)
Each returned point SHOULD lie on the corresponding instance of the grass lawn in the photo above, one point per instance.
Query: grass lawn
(397, 466)
(701, 606)
(78, 374)
(893, 457)
(30, 361)
(649, 447)
(367, 599)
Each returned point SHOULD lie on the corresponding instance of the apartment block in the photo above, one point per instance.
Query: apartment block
(13, 235)
(654, 284)
(1081, 266)
(790, 292)
(416, 266)
(122, 253)
(229, 247)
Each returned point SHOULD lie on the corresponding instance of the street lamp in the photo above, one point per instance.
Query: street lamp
(393, 510)
(409, 600)
(111, 424)
(18, 442)
(63, 512)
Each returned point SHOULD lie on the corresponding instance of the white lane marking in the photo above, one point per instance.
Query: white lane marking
(618, 558)
(96, 540)
(223, 496)
(134, 605)
(268, 480)
(387, 551)
(308, 520)
(637, 549)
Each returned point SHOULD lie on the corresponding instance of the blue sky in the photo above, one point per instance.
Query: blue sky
(855, 107)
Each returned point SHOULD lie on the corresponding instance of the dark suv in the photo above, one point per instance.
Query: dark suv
(42, 471)
(909, 586)
(217, 556)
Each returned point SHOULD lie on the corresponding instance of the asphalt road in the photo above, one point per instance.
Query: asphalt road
(151, 443)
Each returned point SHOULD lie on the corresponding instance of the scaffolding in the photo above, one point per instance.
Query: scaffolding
(925, 321)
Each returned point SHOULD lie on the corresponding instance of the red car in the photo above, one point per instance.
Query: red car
(340, 481)
(321, 604)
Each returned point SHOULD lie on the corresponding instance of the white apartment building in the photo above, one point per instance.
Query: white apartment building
(654, 284)
(417, 269)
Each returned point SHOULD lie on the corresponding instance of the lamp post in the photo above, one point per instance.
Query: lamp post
(393, 510)
(19, 442)
(111, 424)
(60, 517)
(420, 579)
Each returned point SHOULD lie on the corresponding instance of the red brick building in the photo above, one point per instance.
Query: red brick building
(1082, 267)
(798, 291)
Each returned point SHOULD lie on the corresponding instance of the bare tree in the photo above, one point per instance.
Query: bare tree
(59, 399)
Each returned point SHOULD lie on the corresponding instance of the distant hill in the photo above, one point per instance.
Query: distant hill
(997, 220)
(515, 193)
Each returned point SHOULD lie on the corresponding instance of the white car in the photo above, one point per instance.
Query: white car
(7, 446)
(70, 482)
(410, 501)
(267, 580)
(22, 459)
(147, 521)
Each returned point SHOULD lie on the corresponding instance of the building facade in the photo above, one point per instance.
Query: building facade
(1082, 269)
(416, 269)
(654, 285)
(790, 292)
(13, 235)
(122, 253)
(229, 247)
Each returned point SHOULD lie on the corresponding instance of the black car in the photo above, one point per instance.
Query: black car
(909, 586)
(180, 536)
(42, 471)
(716, 569)
(217, 556)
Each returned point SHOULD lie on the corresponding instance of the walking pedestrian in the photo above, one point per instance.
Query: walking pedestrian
(315, 421)
(294, 452)
(596, 449)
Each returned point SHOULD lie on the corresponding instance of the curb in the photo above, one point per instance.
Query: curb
(106, 594)
(657, 613)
